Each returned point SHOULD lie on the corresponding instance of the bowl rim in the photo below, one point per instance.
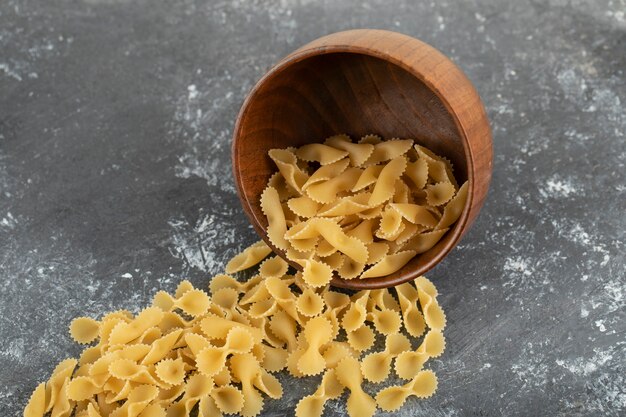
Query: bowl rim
(308, 51)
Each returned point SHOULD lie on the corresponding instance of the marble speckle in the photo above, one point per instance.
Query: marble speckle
(115, 182)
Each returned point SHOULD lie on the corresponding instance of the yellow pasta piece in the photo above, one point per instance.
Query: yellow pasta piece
(356, 314)
(326, 191)
(182, 288)
(333, 234)
(228, 399)
(317, 332)
(368, 177)
(303, 206)
(224, 281)
(357, 152)
(362, 338)
(454, 208)
(171, 371)
(286, 162)
(285, 298)
(245, 368)
(384, 187)
(124, 332)
(418, 173)
(251, 256)
(194, 302)
(36, 406)
(313, 405)
(310, 303)
(422, 386)
(389, 264)
(433, 313)
(411, 316)
(218, 328)
(439, 168)
(326, 172)
(439, 193)
(349, 375)
(334, 260)
(371, 139)
(84, 329)
(274, 358)
(422, 242)
(335, 352)
(211, 360)
(227, 298)
(285, 191)
(416, 214)
(273, 267)
(376, 366)
(409, 363)
(345, 206)
(389, 149)
(317, 152)
(386, 321)
(390, 222)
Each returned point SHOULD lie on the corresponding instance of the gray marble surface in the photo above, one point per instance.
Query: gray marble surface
(115, 125)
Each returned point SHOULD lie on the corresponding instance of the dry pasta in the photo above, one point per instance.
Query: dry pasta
(216, 352)
(359, 210)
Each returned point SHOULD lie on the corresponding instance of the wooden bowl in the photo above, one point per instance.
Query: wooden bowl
(359, 82)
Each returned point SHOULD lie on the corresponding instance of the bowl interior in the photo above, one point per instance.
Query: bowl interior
(342, 92)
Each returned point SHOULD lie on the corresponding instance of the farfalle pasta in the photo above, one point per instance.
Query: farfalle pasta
(216, 353)
(359, 210)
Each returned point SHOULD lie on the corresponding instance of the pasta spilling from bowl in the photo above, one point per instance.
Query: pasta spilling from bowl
(219, 353)
(359, 210)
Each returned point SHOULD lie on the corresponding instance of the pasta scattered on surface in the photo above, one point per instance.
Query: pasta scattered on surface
(358, 210)
(217, 353)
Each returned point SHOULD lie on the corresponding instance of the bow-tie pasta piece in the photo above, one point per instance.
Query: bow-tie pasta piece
(228, 400)
(418, 173)
(376, 366)
(440, 193)
(286, 162)
(224, 281)
(368, 177)
(313, 405)
(409, 363)
(317, 152)
(248, 258)
(387, 150)
(194, 302)
(384, 186)
(357, 152)
(84, 330)
(171, 371)
(212, 359)
(317, 332)
(326, 172)
(245, 368)
(434, 316)
(389, 264)
(422, 242)
(362, 338)
(276, 228)
(326, 191)
(453, 209)
(360, 404)
(310, 303)
(422, 386)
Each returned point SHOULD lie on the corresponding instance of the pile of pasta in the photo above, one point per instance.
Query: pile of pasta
(359, 209)
(218, 353)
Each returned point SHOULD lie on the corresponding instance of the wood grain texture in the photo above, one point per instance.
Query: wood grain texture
(359, 82)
